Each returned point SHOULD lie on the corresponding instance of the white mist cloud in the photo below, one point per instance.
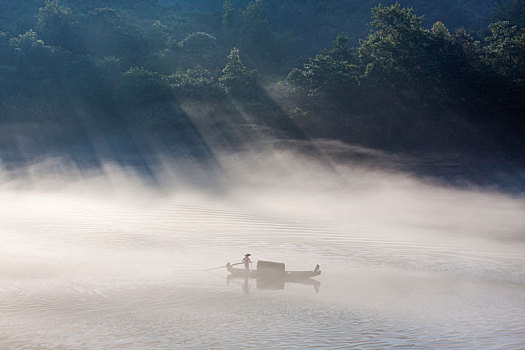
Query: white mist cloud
(79, 247)
(280, 201)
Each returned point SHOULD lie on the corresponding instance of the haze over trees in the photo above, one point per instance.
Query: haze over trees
(101, 78)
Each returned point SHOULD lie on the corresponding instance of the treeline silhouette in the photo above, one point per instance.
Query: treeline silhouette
(102, 78)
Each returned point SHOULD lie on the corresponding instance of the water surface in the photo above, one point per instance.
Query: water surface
(111, 263)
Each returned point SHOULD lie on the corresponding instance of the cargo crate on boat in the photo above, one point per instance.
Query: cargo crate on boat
(270, 266)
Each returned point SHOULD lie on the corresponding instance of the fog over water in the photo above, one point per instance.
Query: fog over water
(110, 259)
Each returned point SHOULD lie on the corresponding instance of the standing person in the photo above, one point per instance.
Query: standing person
(246, 260)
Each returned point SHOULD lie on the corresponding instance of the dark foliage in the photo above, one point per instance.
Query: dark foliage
(125, 70)
(411, 87)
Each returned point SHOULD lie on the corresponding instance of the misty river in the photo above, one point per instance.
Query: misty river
(108, 261)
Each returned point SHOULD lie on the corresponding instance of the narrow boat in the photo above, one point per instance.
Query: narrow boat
(270, 269)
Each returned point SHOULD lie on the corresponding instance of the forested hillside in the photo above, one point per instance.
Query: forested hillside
(104, 78)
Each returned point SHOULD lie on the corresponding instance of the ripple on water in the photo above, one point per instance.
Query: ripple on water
(113, 279)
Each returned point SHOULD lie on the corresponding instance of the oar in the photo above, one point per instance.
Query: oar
(220, 267)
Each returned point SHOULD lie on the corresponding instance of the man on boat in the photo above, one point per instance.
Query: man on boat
(246, 260)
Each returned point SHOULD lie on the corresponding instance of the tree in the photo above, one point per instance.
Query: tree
(440, 31)
(341, 50)
(236, 79)
(30, 47)
(197, 83)
(198, 43)
(107, 33)
(333, 73)
(505, 52)
(56, 24)
(228, 15)
(254, 18)
(143, 86)
(6, 48)
(198, 49)
(158, 35)
(8, 71)
(395, 52)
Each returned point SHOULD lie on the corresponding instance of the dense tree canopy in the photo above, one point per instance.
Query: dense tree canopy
(135, 67)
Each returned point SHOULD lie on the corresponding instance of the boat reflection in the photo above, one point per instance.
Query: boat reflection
(272, 282)
(272, 275)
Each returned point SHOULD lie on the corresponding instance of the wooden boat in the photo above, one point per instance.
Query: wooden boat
(272, 270)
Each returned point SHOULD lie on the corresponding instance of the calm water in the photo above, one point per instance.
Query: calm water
(404, 265)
